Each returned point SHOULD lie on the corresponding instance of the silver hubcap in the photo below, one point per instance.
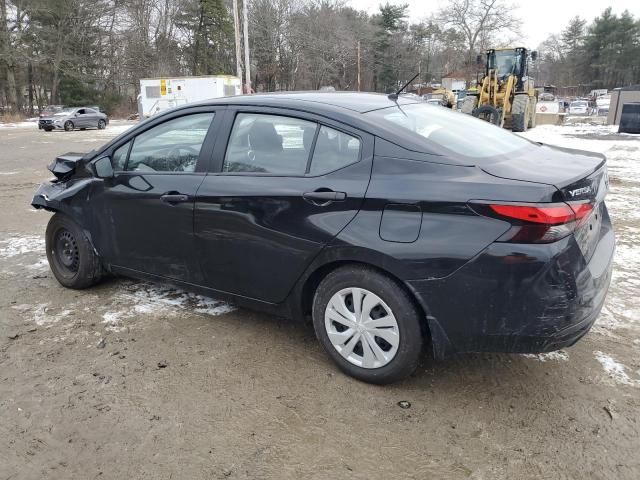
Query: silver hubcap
(362, 328)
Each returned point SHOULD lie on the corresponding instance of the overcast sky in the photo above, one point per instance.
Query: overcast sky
(541, 18)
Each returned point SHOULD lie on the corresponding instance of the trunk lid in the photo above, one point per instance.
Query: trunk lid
(560, 167)
(580, 177)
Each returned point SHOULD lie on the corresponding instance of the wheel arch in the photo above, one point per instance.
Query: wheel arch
(61, 200)
(302, 298)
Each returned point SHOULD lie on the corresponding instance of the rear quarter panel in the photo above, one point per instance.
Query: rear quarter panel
(449, 233)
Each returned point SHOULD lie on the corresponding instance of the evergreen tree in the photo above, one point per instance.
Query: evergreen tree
(388, 56)
(572, 41)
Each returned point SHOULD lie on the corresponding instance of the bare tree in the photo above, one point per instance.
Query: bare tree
(479, 21)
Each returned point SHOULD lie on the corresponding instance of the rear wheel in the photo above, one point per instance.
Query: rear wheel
(489, 114)
(68, 125)
(469, 104)
(520, 113)
(367, 324)
(70, 254)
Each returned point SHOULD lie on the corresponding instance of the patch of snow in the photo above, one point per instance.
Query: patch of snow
(41, 264)
(153, 299)
(115, 128)
(9, 173)
(113, 319)
(558, 356)
(614, 369)
(20, 245)
(41, 313)
(148, 299)
(26, 124)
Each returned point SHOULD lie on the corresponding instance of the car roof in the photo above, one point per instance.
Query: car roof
(310, 101)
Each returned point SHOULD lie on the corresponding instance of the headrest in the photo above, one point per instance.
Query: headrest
(263, 137)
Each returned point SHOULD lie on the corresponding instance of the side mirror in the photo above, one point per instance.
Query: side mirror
(102, 168)
(534, 55)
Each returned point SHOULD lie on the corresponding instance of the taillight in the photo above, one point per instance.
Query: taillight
(537, 223)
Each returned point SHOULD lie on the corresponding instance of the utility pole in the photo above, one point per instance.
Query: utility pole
(236, 31)
(358, 65)
(245, 21)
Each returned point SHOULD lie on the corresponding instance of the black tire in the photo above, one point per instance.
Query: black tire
(68, 126)
(520, 113)
(101, 124)
(70, 254)
(407, 316)
(488, 113)
(518, 122)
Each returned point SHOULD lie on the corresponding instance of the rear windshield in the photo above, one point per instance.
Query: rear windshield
(456, 132)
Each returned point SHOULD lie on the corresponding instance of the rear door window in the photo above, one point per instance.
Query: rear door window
(272, 144)
(333, 150)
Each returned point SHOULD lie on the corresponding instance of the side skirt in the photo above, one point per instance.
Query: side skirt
(280, 310)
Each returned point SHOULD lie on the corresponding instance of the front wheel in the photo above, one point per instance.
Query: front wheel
(520, 113)
(367, 324)
(68, 125)
(70, 254)
(101, 125)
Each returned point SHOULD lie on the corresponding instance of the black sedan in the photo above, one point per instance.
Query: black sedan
(393, 223)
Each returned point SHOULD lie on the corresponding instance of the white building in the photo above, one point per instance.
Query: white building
(158, 94)
(455, 81)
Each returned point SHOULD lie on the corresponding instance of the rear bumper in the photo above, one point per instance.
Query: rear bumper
(519, 298)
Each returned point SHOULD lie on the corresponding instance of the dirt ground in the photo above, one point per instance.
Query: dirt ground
(133, 381)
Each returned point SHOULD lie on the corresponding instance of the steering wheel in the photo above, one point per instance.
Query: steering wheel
(174, 153)
(180, 157)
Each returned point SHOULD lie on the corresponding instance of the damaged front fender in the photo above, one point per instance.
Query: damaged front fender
(65, 165)
(65, 197)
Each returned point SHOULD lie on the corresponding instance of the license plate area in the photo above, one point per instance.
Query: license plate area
(587, 235)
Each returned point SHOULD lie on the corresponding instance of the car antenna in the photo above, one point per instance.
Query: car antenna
(394, 96)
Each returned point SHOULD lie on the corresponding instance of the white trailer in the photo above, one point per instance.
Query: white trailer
(158, 94)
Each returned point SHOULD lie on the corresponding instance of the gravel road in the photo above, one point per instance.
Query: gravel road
(132, 380)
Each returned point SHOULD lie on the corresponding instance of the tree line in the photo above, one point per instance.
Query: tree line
(602, 54)
(95, 51)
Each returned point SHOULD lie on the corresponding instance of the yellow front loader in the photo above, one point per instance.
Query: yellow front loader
(506, 94)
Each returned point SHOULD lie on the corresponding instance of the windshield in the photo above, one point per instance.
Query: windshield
(64, 111)
(505, 62)
(456, 132)
(579, 104)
